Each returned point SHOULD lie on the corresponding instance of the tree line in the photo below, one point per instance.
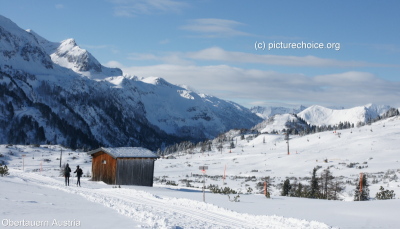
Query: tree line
(328, 187)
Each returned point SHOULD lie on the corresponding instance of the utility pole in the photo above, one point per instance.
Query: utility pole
(203, 169)
(23, 162)
(223, 178)
(204, 186)
(60, 157)
(287, 141)
(361, 186)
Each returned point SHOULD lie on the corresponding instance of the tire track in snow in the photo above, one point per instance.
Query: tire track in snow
(183, 207)
(164, 212)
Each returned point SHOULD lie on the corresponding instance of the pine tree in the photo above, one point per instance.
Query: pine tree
(361, 192)
(326, 183)
(203, 147)
(220, 147)
(338, 188)
(286, 188)
(298, 190)
(314, 186)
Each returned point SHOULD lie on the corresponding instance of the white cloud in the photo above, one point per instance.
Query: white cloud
(213, 27)
(221, 55)
(218, 54)
(347, 79)
(130, 8)
(255, 86)
(114, 64)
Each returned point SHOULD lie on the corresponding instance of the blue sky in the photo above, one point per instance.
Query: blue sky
(210, 45)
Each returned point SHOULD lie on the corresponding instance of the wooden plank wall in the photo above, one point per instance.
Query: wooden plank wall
(104, 172)
(135, 171)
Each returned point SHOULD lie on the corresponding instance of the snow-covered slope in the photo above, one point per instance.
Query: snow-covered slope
(41, 197)
(318, 115)
(282, 122)
(276, 123)
(357, 150)
(59, 93)
(180, 111)
(370, 149)
(266, 112)
(17, 50)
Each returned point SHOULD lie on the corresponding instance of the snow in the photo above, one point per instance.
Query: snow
(155, 81)
(378, 148)
(126, 152)
(319, 115)
(9, 25)
(175, 110)
(139, 205)
(267, 112)
(23, 199)
(35, 191)
(185, 94)
(66, 54)
(42, 195)
(79, 77)
(179, 110)
(278, 122)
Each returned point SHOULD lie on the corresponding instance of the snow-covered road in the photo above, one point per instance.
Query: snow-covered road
(153, 211)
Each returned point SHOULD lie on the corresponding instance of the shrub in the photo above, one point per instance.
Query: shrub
(268, 195)
(225, 190)
(4, 171)
(171, 182)
(235, 198)
(385, 194)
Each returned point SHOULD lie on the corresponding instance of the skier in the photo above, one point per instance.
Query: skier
(79, 173)
(67, 171)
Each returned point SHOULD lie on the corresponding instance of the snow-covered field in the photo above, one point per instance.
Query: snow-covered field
(33, 197)
(38, 194)
(373, 148)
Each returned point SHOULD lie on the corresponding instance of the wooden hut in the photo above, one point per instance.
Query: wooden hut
(123, 165)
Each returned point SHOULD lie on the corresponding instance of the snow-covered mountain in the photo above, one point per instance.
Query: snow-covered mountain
(282, 122)
(318, 115)
(69, 55)
(59, 93)
(267, 112)
(179, 111)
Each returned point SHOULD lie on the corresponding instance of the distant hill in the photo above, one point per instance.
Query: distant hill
(266, 112)
(319, 115)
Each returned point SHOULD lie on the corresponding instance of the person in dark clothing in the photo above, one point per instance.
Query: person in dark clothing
(67, 171)
(79, 173)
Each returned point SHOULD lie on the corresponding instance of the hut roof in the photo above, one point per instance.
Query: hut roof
(125, 152)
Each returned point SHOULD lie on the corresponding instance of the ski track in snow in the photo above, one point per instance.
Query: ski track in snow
(164, 212)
